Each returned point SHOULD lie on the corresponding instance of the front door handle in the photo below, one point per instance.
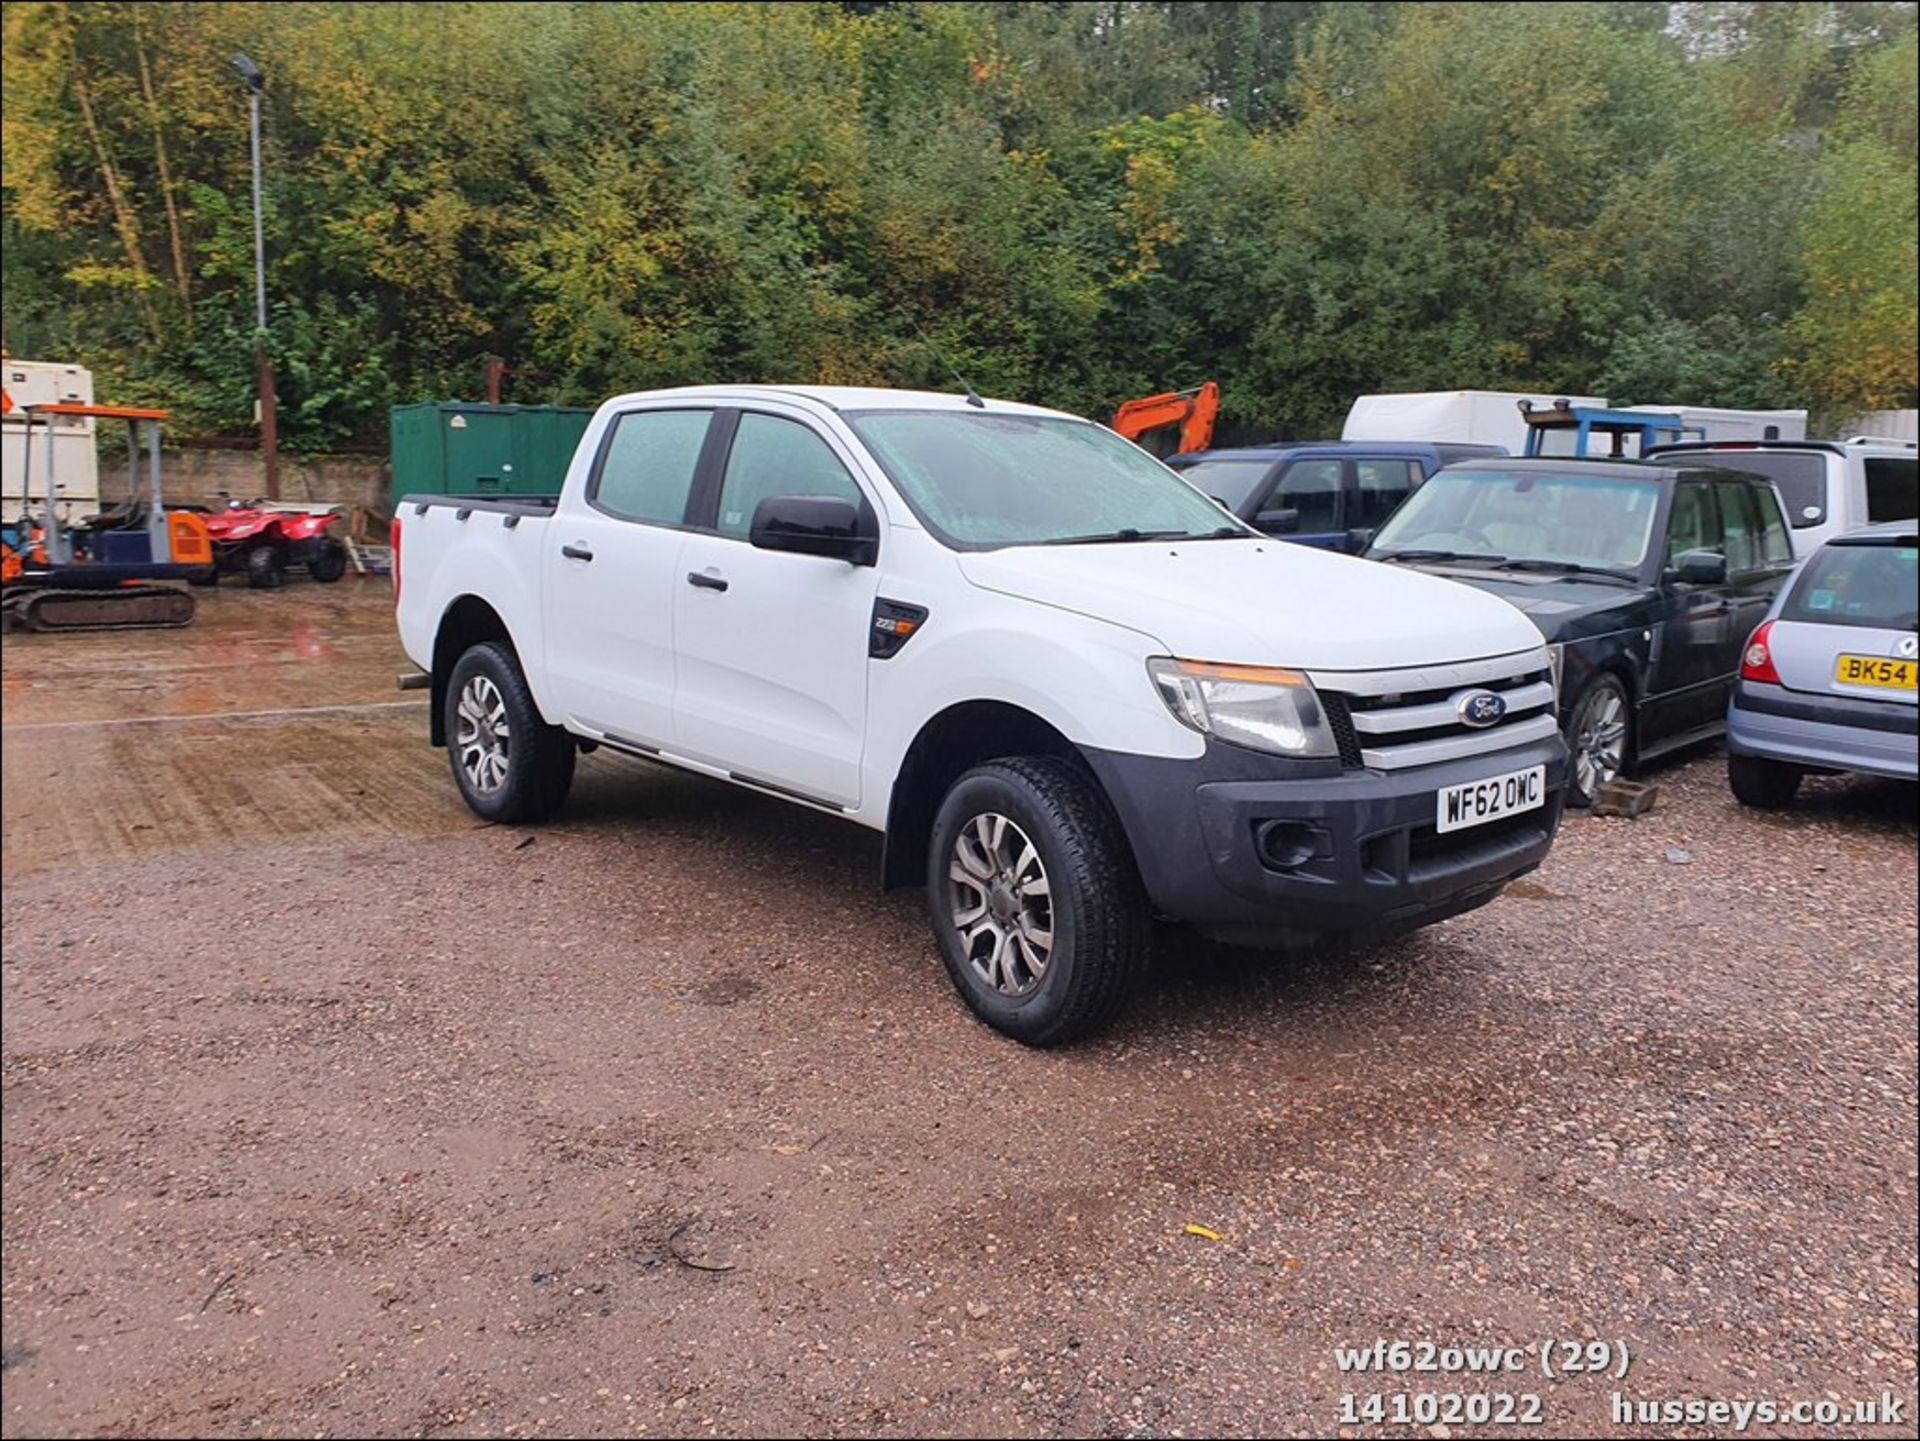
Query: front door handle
(704, 581)
(576, 552)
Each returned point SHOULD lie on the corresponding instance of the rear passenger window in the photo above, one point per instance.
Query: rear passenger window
(1691, 525)
(1739, 526)
(1383, 484)
(1893, 488)
(773, 457)
(646, 471)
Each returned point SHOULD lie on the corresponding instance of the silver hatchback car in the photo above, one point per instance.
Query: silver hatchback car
(1827, 680)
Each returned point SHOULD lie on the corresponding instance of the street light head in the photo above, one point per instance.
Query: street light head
(250, 73)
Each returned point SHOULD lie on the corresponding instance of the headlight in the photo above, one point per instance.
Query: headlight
(1557, 663)
(1261, 707)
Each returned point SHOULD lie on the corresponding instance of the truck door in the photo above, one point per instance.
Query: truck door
(772, 646)
(613, 575)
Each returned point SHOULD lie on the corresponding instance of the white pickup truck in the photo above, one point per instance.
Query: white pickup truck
(1070, 689)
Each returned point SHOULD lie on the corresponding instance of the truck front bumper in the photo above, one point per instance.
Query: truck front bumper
(1364, 849)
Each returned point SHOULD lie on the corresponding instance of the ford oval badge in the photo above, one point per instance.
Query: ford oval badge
(1480, 709)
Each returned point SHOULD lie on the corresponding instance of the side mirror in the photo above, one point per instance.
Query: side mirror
(824, 525)
(1278, 522)
(1700, 567)
(1359, 539)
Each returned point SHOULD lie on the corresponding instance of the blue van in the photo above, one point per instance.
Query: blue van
(1329, 493)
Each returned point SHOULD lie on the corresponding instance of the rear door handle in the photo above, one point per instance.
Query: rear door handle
(705, 582)
(576, 552)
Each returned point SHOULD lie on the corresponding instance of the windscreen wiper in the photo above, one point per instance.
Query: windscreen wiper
(1410, 555)
(1565, 567)
(1128, 533)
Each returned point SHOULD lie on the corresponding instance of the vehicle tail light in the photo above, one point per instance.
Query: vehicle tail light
(1756, 662)
(393, 539)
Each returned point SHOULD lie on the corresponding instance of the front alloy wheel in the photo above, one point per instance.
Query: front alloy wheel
(481, 735)
(1597, 738)
(1002, 904)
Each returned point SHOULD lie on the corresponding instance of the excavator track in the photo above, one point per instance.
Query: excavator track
(142, 607)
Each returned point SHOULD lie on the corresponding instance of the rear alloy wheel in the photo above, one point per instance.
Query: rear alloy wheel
(1596, 739)
(1766, 785)
(1036, 906)
(510, 765)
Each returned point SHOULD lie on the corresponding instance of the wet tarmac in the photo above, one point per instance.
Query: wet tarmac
(275, 714)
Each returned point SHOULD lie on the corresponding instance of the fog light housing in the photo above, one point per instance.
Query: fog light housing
(1287, 845)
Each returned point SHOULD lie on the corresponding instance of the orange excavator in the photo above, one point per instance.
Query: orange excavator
(1194, 411)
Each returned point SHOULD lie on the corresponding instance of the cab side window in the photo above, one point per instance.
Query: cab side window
(770, 457)
(1383, 484)
(1692, 524)
(1311, 487)
(646, 471)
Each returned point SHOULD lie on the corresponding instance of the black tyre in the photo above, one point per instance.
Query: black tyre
(1599, 738)
(510, 765)
(266, 568)
(329, 562)
(1768, 785)
(1035, 903)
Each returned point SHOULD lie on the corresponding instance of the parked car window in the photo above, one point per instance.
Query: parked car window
(1893, 488)
(1799, 475)
(1739, 526)
(984, 478)
(646, 472)
(1311, 487)
(771, 456)
(1231, 482)
(1571, 518)
(1776, 546)
(1870, 585)
(1692, 525)
(1383, 484)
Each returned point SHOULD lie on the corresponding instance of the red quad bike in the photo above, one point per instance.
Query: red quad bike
(263, 543)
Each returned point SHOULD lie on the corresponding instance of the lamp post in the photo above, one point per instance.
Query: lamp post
(256, 82)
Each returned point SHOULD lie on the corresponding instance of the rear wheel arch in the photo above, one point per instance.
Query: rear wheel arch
(947, 746)
(467, 622)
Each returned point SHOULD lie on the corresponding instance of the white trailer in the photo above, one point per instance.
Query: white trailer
(1475, 417)
(76, 463)
(1720, 423)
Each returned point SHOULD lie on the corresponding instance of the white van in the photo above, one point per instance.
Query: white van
(1827, 486)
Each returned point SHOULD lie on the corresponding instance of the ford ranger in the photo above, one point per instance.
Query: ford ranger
(1072, 691)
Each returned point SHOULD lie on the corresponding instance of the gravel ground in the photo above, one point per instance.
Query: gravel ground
(328, 1111)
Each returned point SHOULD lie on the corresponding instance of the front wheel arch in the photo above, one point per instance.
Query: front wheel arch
(948, 745)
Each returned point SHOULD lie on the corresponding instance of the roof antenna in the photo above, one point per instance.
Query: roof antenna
(973, 397)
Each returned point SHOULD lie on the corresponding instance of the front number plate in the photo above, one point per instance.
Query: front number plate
(1477, 802)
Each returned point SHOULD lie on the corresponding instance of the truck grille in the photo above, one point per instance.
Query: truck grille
(1393, 719)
